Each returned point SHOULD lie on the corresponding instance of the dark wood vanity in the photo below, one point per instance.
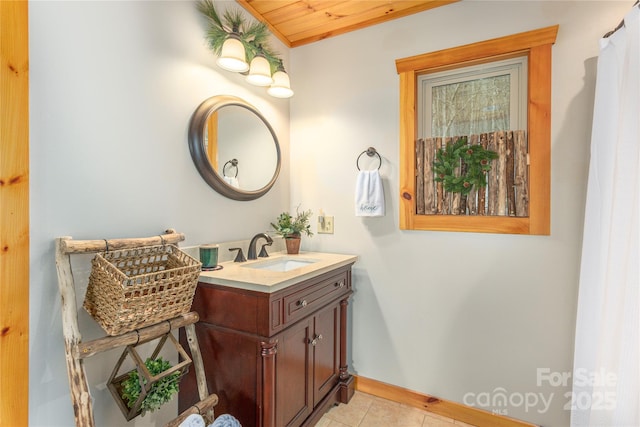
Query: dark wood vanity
(274, 359)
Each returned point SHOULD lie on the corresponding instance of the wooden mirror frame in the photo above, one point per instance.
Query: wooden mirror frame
(199, 121)
(536, 45)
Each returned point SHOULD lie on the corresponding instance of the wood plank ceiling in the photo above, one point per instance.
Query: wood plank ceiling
(299, 22)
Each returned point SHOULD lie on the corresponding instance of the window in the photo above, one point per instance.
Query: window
(473, 88)
(473, 100)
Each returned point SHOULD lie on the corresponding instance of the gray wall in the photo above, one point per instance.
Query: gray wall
(113, 86)
(461, 316)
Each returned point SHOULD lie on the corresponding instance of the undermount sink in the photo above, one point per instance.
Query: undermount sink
(282, 264)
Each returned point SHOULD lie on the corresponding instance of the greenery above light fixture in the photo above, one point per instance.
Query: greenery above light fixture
(253, 35)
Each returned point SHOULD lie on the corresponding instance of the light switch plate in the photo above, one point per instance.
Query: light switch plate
(325, 225)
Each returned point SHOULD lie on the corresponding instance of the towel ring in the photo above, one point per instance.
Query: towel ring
(369, 152)
(234, 163)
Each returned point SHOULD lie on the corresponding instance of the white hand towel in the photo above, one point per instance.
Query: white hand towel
(232, 181)
(369, 194)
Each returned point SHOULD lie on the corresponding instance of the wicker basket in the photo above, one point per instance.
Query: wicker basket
(132, 288)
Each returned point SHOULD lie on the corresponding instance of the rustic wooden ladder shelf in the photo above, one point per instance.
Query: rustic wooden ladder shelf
(76, 350)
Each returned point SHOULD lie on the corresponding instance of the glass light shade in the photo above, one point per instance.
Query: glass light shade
(280, 88)
(260, 71)
(232, 56)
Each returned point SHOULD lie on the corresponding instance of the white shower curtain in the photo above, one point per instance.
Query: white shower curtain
(606, 376)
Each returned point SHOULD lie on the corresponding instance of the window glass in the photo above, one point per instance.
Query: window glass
(473, 100)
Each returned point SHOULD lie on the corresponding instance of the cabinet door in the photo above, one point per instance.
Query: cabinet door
(326, 352)
(294, 391)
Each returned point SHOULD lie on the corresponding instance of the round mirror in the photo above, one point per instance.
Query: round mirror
(234, 148)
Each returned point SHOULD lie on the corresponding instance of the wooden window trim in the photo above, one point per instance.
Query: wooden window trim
(536, 45)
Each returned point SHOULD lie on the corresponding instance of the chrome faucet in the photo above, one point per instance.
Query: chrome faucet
(254, 241)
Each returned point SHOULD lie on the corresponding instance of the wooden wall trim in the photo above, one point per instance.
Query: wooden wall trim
(456, 411)
(502, 46)
(14, 215)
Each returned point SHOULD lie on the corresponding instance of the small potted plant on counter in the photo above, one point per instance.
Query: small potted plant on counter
(291, 228)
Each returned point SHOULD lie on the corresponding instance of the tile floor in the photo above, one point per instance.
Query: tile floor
(365, 410)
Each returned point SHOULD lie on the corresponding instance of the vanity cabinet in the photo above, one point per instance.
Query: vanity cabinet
(274, 358)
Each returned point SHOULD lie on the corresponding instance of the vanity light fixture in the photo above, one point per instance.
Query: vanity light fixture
(238, 43)
(232, 57)
(260, 70)
(281, 87)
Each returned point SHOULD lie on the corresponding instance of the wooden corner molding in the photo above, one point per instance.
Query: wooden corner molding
(14, 215)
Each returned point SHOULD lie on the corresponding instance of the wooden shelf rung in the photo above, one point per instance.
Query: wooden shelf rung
(87, 349)
(199, 408)
(70, 246)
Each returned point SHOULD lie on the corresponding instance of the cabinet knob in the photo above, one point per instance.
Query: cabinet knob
(315, 339)
(303, 303)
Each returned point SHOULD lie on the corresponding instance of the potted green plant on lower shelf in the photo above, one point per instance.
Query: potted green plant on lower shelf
(160, 392)
(292, 228)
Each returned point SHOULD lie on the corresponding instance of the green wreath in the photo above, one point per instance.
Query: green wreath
(477, 160)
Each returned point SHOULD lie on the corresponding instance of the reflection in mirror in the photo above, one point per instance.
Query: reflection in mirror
(230, 173)
(235, 133)
(234, 148)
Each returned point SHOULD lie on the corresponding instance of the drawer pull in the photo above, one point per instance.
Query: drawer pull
(303, 303)
(340, 284)
(315, 339)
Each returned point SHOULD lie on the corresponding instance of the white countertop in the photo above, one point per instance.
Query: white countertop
(240, 275)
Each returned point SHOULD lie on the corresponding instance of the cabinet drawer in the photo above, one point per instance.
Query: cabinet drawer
(302, 302)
